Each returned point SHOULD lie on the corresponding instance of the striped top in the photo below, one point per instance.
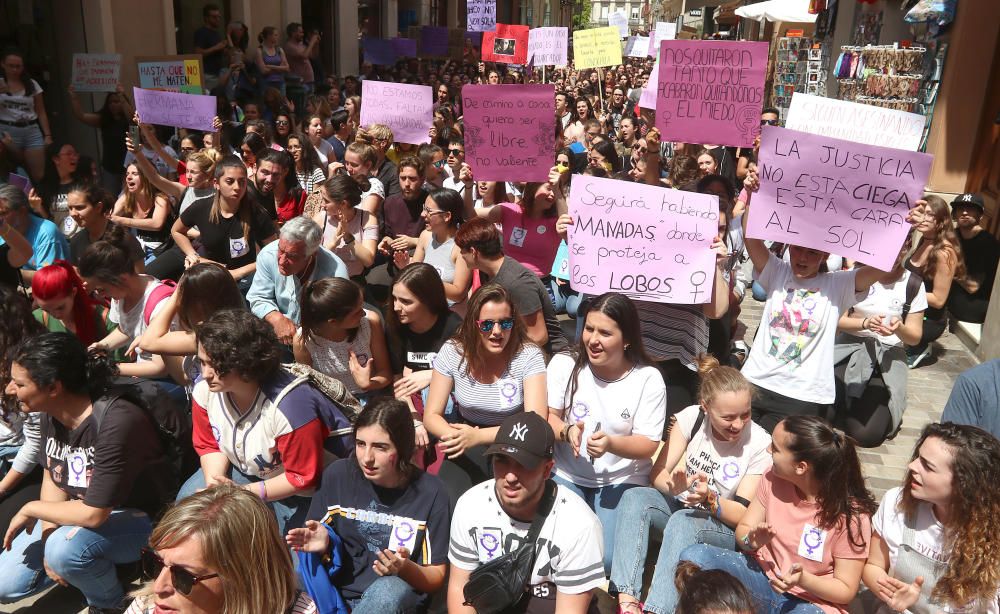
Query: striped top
(673, 331)
(147, 605)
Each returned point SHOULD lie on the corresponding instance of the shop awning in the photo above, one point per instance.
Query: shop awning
(789, 11)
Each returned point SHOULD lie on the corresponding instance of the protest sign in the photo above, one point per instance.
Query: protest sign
(404, 47)
(482, 15)
(509, 131)
(710, 91)
(637, 46)
(560, 265)
(507, 45)
(379, 51)
(837, 196)
(647, 242)
(596, 47)
(175, 109)
(171, 73)
(648, 98)
(96, 72)
(547, 46)
(407, 109)
(619, 20)
(434, 41)
(20, 181)
(852, 121)
(664, 31)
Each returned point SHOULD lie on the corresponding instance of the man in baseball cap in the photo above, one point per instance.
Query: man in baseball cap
(970, 297)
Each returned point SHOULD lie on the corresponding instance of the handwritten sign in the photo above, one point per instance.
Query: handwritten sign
(96, 72)
(379, 51)
(175, 109)
(482, 15)
(509, 131)
(647, 242)
(852, 121)
(507, 45)
(547, 46)
(664, 31)
(171, 73)
(434, 41)
(637, 46)
(596, 47)
(837, 196)
(619, 20)
(560, 265)
(407, 109)
(710, 91)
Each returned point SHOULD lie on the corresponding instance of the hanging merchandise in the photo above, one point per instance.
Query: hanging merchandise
(799, 66)
(940, 12)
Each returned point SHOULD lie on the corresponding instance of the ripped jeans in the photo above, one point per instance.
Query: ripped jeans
(85, 558)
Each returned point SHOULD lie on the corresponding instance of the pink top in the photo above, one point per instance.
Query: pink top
(800, 540)
(531, 241)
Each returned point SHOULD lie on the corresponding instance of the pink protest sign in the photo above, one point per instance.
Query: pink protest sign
(175, 109)
(838, 196)
(407, 109)
(509, 131)
(710, 91)
(649, 243)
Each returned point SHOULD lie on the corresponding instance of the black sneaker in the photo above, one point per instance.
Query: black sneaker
(916, 355)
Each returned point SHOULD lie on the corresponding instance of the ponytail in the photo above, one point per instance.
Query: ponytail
(716, 379)
(109, 258)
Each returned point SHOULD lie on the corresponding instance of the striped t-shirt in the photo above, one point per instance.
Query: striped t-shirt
(673, 331)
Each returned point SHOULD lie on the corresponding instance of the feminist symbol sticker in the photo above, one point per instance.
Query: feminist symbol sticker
(404, 535)
(811, 543)
(489, 542)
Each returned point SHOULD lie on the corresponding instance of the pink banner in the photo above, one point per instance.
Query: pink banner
(407, 109)
(649, 243)
(509, 131)
(175, 109)
(710, 92)
(838, 196)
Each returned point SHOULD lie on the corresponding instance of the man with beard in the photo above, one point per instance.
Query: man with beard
(276, 188)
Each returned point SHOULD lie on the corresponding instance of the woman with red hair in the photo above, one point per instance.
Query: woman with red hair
(65, 306)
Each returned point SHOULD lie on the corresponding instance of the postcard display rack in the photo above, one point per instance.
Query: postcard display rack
(799, 66)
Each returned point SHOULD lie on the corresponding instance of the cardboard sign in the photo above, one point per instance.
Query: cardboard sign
(482, 15)
(507, 45)
(648, 98)
(547, 46)
(404, 47)
(637, 46)
(649, 243)
(619, 20)
(407, 109)
(175, 109)
(841, 197)
(596, 47)
(171, 73)
(379, 51)
(96, 72)
(664, 31)
(434, 41)
(710, 91)
(509, 131)
(853, 121)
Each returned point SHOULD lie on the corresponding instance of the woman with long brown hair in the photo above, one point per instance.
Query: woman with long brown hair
(144, 209)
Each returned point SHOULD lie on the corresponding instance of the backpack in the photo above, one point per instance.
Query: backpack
(162, 290)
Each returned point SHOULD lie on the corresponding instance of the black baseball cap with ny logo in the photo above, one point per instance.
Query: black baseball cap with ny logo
(526, 437)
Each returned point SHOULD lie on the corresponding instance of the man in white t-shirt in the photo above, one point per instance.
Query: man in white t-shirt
(492, 519)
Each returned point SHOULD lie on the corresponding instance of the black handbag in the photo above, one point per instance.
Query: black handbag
(500, 584)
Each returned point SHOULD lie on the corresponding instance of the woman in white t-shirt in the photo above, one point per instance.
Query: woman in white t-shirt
(22, 112)
(360, 160)
(724, 454)
(607, 404)
(869, 343)
(934, 546)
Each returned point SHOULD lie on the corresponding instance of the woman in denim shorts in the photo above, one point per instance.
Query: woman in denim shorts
(22, 112)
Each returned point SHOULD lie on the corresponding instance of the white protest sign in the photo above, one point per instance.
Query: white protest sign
(852, 121)
(547, 46)
(482, 15)
(407, 109)
(620, 20)
(665, 30)
(96, 72)
(637, 46)
(648, 98)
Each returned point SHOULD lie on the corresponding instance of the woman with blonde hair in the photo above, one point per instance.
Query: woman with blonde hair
(205, 557)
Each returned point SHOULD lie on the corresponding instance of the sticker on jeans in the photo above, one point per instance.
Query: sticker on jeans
(488, 541)
(404, 534)
(76, 465)
(517, 236)
(812, 542)
(238, 247)
(509, 393)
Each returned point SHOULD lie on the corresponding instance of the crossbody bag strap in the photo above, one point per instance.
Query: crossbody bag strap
(544, 507)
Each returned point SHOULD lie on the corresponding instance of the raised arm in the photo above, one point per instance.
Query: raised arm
(172, 189)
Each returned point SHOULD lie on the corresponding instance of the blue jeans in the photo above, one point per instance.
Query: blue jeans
(85, 558)
(290, 511)
(642, 512)
(604, 501)
(388, 595)
(745, 569)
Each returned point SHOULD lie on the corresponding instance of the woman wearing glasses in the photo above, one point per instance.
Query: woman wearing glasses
(492, 371)
(204, 557)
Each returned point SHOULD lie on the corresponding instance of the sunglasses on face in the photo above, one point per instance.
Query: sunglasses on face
(182, 579)
(768, 122)
(439, 164)
(486, 326)
(457, 152)
(281, 122)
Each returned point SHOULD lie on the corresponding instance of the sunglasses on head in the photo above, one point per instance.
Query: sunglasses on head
(182, 579)
(486, 326)
(768, 122)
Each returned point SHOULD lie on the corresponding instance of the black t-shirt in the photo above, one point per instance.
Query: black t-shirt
(388, 174)
(113, 143)
(369, 519)
(122, 466)
(417, 350)
(81, 241)
(224, 241)
(205, 37)
(981, 253)
(530, 296)
(9, 276)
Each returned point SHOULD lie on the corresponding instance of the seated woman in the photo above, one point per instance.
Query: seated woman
(806, 534)
(342, 339)
(932, 548)
(145, 211)
(870, 343)
(64, 305)
(399, 556)
(491, 371)
(106, 476)
(281, 421)
(90, 207)
(207, 556)
(349, 231)
(607, 405)
(723, 455)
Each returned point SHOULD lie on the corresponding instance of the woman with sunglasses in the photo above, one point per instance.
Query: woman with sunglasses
(219, 552)
(491, 370)
(282, 127)
(106, 475)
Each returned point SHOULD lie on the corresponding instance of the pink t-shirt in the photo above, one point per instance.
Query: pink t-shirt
(531, 241)
(800, 540)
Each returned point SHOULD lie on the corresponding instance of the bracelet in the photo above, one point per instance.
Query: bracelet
(262, 490)
(746, 543)
(864, 324)
(565, 432)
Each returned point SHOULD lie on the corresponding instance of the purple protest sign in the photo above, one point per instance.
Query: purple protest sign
(837, 196)
(434, 41)
(509, 131)
(379, 51)
(405, 47)
(19, 181)
(710, 91)
(407, 109)
(649, 243)
(175, 109)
